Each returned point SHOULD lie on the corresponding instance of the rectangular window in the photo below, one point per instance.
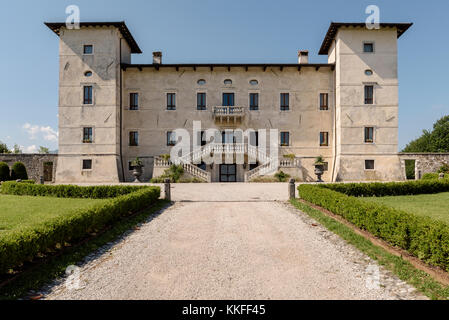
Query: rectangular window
(369, 94)
(368, 47)
(324, 101)
(285, 102)
(87, 164)
(133, 101)
(254, 138)
(171, 101)
(253, 101)
(228, 99)
(369, 164)
(171, 138)
(324, 139)
(133, 138)
(369, 134)
(88, 49)
(201, 101)
(87, 95)
(87, 135)
(285, 139)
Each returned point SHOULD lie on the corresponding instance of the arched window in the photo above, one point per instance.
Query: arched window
(201, 82)
(228, 81)
(88, 73)
(254, 82)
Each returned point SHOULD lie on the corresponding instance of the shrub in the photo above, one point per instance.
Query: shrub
(379, 189)
(67, 191)
(174, 173)
(420, 236)
(433, 176)
(18, 171)
(281, 176)
(25, 244)
(444, 168)
(4, 171)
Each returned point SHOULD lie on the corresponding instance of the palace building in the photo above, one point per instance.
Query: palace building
(112, 111)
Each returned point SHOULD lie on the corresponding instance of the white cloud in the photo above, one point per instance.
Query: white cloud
(47, 132)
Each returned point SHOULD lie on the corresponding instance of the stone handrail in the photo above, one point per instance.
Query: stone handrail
(197, 172)
(160, 162)
(289, 163)
(224, 111)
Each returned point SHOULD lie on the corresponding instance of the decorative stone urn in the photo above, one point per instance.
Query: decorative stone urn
(319, 168)
(137, 169)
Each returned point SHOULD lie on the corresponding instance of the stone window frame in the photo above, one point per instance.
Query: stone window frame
(365, 162)
(258, 100)
(88, 84)
(93, 134)
(369, 42)
(196, 99)
(166, 93)
(328, 92)
(290, 96)
(328, 139)
(82, 164)
(289, 142)
(93, 49)
(364, 85)
(129, 138)
(364, 134)
(139, 101)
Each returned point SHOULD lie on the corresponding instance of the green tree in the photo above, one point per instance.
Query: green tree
(436, 140)
(16, 149)
(4, 148)
(43, 150)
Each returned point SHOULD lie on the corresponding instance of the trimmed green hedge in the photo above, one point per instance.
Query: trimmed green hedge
(19, 171)
(4, 171)
(379, 189)
(22, 245)
(422, 237)
(67, 191)
(433, 176)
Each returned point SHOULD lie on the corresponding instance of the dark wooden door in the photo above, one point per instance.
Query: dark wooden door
(48, 171)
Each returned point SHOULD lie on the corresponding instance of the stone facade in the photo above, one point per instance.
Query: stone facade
(425, 162)
(36, 164)
(114, 80)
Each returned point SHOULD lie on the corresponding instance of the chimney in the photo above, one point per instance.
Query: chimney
(157, 57)
(303, 56)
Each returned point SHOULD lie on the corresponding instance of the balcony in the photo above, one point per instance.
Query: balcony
(228, 116)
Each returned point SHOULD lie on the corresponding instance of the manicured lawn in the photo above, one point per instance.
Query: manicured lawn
(433, 205)
(25, 211)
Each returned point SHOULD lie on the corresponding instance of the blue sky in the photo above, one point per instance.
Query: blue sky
(213, 31)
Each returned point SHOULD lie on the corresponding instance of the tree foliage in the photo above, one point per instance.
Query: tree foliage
(436, 140)
(43, 150)
(4, 148)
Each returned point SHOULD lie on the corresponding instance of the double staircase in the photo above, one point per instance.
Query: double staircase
(268, 165)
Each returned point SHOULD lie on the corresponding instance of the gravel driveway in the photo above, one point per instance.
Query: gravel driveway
(231, 250)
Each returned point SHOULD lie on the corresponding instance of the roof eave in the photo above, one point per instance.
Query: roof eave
(121, 25)
(334, 26)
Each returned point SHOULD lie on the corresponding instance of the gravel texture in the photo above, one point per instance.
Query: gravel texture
(231, 250)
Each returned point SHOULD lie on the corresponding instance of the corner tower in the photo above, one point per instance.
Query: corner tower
(89, 100)
(366, 95)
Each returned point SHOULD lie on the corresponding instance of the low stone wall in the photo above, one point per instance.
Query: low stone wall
(34, 164)
(425, 162)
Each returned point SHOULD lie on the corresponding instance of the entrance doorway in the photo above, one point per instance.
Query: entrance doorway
(48, 171)
(228, 173)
